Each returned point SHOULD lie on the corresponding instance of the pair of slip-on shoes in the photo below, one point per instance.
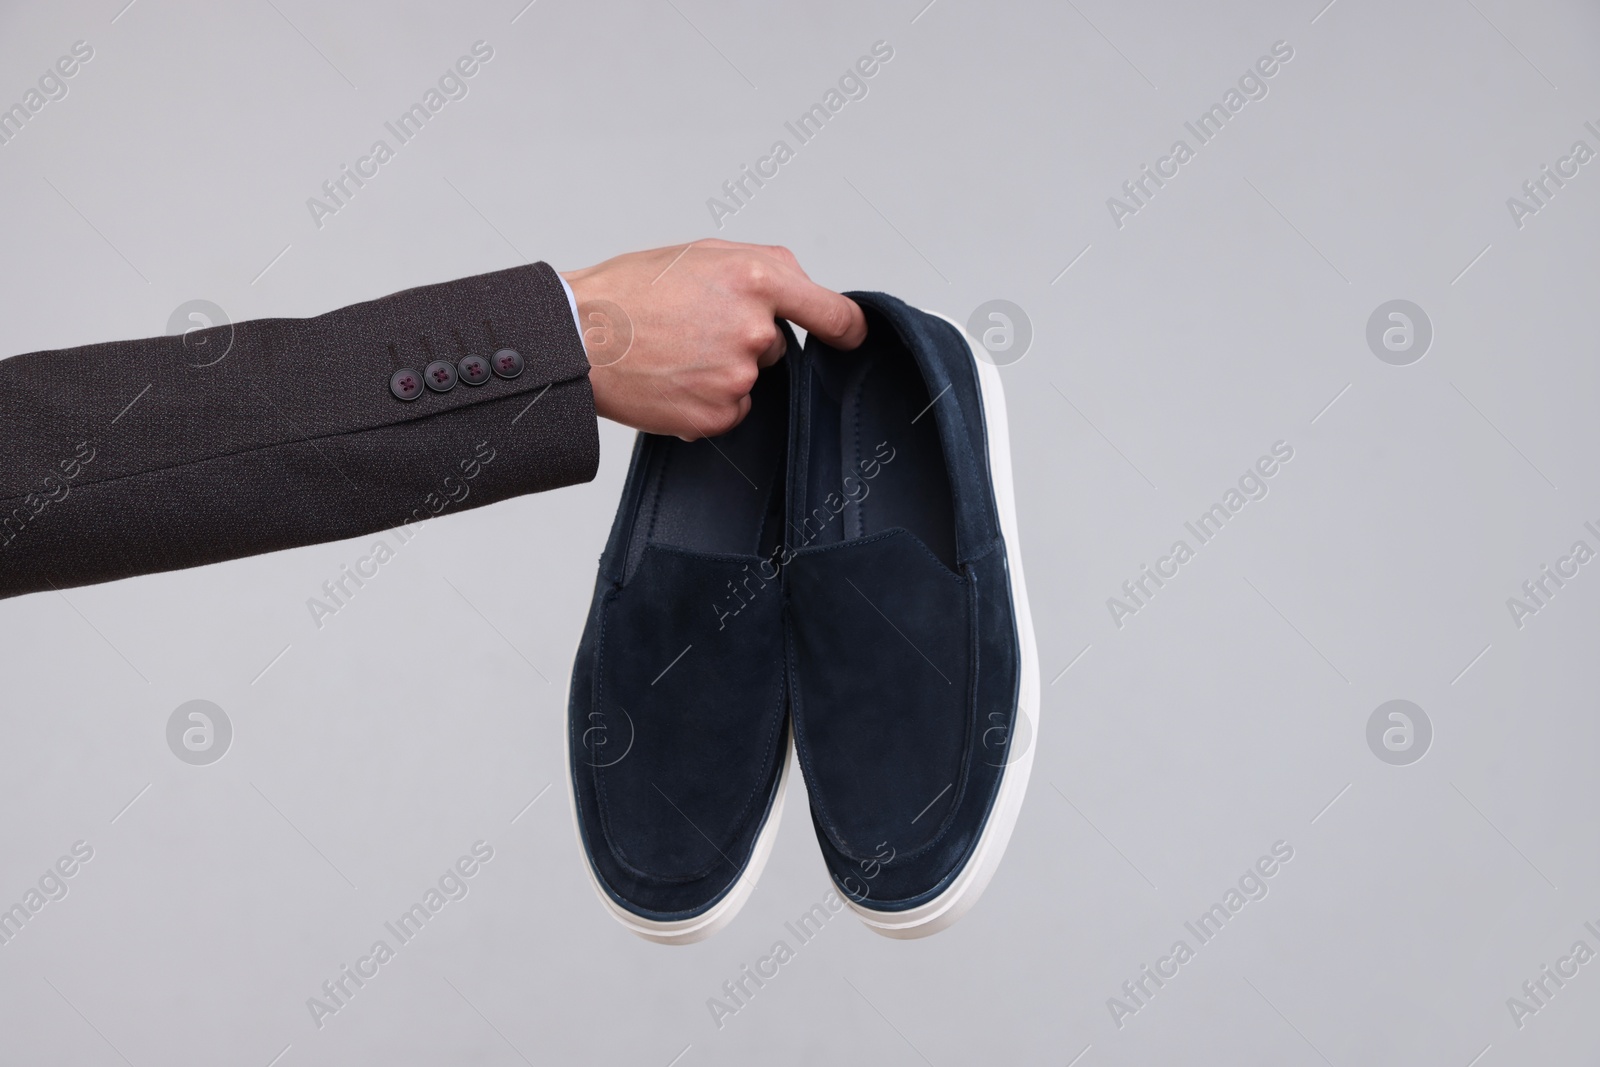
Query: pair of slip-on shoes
(840, 572)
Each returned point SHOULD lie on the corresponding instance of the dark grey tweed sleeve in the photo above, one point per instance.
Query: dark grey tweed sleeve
(141, 456)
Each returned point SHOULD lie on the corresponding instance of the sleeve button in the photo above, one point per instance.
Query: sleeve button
(440, 376)
(474, 370)
(508, 363)
(405, 384)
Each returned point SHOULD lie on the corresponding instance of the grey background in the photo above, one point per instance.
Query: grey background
(1225, 716)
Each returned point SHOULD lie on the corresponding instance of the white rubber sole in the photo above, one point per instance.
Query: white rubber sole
(720, 914)
(943, 910)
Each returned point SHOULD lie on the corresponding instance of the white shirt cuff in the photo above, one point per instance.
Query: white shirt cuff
(572, 302)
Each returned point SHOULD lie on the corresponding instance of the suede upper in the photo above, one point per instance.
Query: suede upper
(677, 727)
(903, 646)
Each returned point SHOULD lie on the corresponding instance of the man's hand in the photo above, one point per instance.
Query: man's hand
(675, 336)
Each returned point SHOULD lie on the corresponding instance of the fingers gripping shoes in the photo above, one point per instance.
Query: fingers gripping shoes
(913, 676)
(677, 725)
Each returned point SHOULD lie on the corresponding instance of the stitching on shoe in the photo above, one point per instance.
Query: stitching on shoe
(817, 550)
(926, 326)
(739, 822)
(720, 557)
(663, 464)
(855, 455)
(819, 806)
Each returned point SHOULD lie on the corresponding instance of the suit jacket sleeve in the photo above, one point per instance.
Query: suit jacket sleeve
(141, 456)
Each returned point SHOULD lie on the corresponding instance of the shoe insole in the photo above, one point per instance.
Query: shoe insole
(881, 410)
(721, 494)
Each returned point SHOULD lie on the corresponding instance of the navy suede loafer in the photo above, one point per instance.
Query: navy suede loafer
(913, 678)
(677, 722)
